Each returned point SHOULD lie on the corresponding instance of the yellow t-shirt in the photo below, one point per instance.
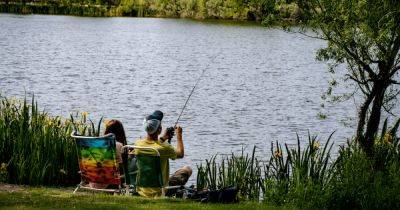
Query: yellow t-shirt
(166, 152)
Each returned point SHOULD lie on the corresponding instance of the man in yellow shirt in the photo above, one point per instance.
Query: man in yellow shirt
(152, 125)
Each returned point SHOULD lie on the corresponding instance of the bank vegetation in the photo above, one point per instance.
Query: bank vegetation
(36, 149)
(266, 11)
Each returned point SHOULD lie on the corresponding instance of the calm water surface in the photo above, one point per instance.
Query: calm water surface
(261, 85)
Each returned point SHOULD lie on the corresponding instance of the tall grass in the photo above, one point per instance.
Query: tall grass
(242, 171)
(309, 177)
(294, 175)
(285, 173)
(36, 148)
(360, 181)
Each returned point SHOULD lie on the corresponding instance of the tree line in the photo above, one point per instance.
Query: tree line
(268, 11)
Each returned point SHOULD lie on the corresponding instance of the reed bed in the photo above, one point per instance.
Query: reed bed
(254, 179)
(242, 171)
(36, 148)
(309, 177)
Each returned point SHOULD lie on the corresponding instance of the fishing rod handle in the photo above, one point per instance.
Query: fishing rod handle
(170, 133)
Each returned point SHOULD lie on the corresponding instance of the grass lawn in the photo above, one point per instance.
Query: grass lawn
(16, 197)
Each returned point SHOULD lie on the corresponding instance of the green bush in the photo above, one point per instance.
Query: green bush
(357, 185)
(364, 182)
(270, 20)
(3, 173)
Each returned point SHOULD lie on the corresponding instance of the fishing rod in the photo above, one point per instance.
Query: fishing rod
(191, 92)
(171, 130)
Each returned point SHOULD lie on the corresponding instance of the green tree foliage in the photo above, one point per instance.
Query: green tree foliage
(199, 9)
(365, 36)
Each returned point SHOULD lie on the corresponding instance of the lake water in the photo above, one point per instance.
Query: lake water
(260, 85)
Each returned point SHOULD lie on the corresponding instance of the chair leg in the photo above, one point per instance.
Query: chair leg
(119, 192)
(126, 189)
(77, 188)
(163, 191)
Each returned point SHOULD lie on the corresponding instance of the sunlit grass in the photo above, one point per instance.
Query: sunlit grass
(53, 198)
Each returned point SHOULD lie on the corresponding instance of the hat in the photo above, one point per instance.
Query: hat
(158, 115)
(153, 121)
(151, 126)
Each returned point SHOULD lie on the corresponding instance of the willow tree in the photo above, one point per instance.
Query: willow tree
(365, 36)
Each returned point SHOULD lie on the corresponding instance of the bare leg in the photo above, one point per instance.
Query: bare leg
(180, 177)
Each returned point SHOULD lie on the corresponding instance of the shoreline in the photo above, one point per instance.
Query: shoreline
(104, 11)
(208, 20)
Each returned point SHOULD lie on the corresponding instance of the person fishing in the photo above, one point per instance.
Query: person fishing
(152, 126)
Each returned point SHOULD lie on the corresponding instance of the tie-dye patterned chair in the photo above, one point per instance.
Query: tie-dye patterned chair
(97, 163)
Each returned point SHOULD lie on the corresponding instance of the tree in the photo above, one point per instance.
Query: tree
(365, 36)
(262, 7)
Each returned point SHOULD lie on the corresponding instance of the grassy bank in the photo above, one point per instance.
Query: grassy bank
(53, 198)
(36, 149)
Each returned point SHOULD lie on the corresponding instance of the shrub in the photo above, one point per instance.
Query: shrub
(3, 173)
(270, 20)
(364, 182)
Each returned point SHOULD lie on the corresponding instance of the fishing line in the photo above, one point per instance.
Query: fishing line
(191, 93)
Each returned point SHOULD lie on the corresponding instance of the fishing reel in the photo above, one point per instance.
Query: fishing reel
(170, 133)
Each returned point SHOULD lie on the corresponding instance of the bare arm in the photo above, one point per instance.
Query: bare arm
(180, 151)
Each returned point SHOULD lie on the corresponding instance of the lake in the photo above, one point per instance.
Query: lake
(260, 84)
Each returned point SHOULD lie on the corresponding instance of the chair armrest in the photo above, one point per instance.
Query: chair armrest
(174, 187)
(128, 147)
(142, 148)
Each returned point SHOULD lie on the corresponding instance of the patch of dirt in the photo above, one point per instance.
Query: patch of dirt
(10, 188)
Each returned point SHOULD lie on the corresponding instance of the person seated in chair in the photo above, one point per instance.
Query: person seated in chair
(115, 127)
(152, 125)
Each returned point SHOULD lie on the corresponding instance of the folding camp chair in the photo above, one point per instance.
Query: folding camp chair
(97, 163)
(148, 168)
(148, 174)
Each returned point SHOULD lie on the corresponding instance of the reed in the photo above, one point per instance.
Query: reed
(36, 148)
(294, 173)
(287, 169)
(242, 171)
(312, 162)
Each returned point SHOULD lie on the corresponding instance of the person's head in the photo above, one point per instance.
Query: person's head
(152, 124)
(115, 127)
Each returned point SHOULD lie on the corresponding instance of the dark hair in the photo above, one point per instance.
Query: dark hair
(115, 127)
